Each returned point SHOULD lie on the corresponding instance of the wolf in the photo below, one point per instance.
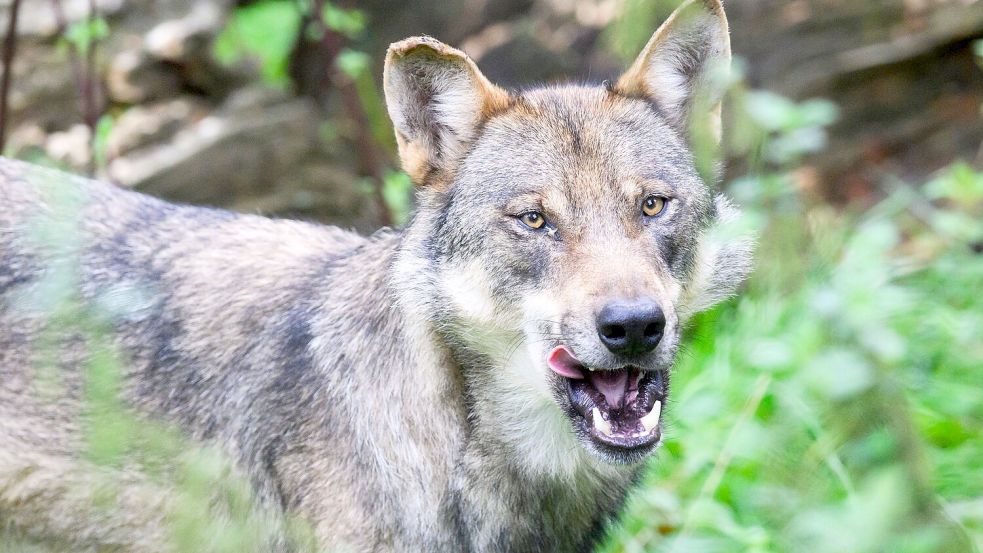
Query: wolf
(491, 378)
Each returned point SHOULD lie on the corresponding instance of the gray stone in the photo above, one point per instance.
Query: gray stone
(134, 76)
(224, 155)
(188, 38)
(37, 17)
(71, 147)
(27, 141)
(144, 125)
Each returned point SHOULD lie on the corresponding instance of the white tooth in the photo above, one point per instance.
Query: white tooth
(649, 421)
(600, 424)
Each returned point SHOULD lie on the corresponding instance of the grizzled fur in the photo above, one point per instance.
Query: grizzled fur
(391, 390)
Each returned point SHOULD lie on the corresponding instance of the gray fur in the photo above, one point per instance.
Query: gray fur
(378, 387)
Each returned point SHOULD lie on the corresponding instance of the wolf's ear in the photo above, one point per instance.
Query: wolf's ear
(672, 69)
(437, 99)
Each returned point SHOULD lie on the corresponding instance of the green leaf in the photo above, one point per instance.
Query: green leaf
(960, 183)
(397, 191)
(353, 64)
(100, 141)
(350, 23)
(264, 31)
(82, 35)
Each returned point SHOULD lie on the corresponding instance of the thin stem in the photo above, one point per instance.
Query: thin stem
(91, 101)
(84, 70)
(9, 48)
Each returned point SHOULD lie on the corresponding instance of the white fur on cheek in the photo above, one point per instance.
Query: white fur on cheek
(467, 288)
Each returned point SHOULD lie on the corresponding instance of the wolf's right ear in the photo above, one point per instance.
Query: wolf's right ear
(437, 99)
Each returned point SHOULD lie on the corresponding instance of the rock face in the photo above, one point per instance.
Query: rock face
(237, 149)
(190, 129)
(184, 126)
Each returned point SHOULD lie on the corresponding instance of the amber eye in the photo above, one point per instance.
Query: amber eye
(653, 205)
(533, 219)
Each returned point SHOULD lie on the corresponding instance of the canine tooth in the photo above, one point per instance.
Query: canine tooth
(649, 421)
(599, 423)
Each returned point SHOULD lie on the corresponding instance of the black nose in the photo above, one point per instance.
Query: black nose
(631, 327)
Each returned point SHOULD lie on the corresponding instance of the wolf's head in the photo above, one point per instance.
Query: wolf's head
(564, 234)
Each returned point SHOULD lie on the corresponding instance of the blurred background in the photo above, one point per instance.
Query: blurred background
(837, 405)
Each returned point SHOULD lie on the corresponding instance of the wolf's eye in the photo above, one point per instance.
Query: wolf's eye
(653, 205)
(533, 219)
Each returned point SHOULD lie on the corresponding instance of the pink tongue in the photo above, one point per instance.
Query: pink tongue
(564, 363)
(611, 384)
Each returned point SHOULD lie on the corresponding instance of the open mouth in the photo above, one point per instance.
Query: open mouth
(620, 408)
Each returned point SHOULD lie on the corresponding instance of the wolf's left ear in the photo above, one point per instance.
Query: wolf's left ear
(437, 99)
(672, 69)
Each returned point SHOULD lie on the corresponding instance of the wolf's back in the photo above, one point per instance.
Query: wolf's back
(202, 307)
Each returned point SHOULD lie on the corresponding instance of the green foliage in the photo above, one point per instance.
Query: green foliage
(84, 34)
(397, 191)
(100, 141)
(357, 67)
(265, 31)
(837, 404)
(350, 23)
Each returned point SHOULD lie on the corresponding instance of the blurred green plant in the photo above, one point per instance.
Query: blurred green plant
(397, 191)
(349, 22)
(626, 36)
(265, 31)
(100, 141)
(79, 41)
(84, 34)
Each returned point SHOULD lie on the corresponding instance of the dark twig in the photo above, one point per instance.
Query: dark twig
(93, 104)
(9, 47)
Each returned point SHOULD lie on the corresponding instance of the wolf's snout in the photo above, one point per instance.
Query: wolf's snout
(631, 327)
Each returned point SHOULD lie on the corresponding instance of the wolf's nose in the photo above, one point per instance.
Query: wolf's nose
(631, 327)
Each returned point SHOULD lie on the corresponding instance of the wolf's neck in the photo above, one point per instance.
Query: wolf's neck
(523, 479)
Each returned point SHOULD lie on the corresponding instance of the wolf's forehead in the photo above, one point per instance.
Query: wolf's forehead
(580, 140)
